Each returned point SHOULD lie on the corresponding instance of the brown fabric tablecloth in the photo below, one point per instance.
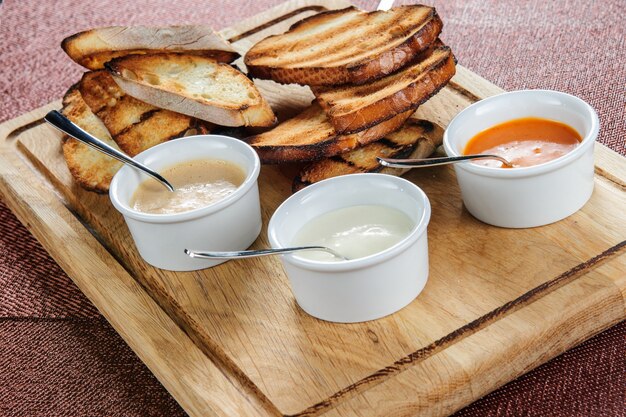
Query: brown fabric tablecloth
(59, 357)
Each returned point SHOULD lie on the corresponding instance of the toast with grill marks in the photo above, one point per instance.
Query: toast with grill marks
(134, 125)
(354, 108)
(91, 169)
(345, 46)
(196, 86)
(92, 48)
(416, 139)
(309, 136)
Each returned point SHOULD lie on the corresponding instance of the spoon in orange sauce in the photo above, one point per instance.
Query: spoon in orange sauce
(516, 143)
(431, 162)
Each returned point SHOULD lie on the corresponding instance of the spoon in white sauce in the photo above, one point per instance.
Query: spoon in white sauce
(260, 252)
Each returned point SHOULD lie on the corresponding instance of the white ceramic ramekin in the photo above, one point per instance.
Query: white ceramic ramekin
(529, 196)
(232, 223)
(361, 289)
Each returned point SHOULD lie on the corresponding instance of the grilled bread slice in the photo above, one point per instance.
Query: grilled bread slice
(92, 48)
(134, 125)
(91, 169)
(345, 46)
(354, 108)
(416, 139)
(309, 136)
(193, 85)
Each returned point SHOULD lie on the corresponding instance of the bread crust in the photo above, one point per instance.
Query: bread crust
(359, 71)
(424, 84)
(92, 48)
(130, 74)
(418, 138)
(300, 140)
(134, 125)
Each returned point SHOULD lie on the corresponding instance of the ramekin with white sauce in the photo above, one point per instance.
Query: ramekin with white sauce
(365, 288)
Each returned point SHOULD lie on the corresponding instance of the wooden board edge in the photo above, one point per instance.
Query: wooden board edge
(198, 385)
(472, 85)
(610, 165)
(479, 88)
(467, 370)
(36, 114)
(12, 128)
(613, 281)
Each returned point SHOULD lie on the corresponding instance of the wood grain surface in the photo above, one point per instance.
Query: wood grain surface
(232, 341)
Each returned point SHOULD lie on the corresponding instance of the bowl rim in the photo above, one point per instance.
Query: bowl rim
(587, 141)
(246, 185)
(419, 229)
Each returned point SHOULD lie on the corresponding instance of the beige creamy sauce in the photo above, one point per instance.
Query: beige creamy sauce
(198, 184)
(354, 232)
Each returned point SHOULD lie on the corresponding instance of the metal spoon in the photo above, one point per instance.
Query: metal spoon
(261, 252)
(66, 126)
(416, 163)
(385, 5)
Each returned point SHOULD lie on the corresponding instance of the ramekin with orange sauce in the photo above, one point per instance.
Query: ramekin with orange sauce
(525, 196)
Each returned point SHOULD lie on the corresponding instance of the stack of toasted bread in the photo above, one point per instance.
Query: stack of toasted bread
(369, 72)
(149, 85)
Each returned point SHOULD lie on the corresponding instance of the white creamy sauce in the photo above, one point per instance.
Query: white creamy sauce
(354, 232)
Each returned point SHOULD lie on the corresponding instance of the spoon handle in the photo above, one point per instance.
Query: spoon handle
(416, 163)
(260, 252)
(385, 5)
(68, 127)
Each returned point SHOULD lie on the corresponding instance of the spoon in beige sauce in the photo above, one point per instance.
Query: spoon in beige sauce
(68, 127)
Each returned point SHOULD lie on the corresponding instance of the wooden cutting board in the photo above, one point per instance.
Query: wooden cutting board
(232, 341)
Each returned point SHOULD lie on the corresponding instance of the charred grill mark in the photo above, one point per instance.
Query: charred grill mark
(389, 143)
(299, 184)
(397, 151)
(405, 152)
(344, 50)
(145, 116)
(463, 332)
(278, 154)
(318, 15)
(176, 135)
(425, 125)
(275, 21)
(415, 73)
(413, 47)
(305, 55)
(413, 105)
(339, 158)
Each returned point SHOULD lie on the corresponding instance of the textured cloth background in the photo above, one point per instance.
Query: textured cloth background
(59, 357)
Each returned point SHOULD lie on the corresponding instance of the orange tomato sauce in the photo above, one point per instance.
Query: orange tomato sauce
(524, 142)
